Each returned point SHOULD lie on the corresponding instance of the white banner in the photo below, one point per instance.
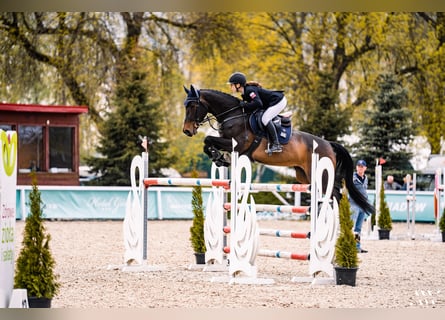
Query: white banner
(8, 183)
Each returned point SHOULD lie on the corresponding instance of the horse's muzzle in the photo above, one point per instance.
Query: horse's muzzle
(187, 132)
(190, 128)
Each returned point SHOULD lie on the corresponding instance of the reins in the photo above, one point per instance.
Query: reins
(215, 117)
(209, 118)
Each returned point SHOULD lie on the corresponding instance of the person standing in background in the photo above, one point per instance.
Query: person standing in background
(358, 214)
(390, 184)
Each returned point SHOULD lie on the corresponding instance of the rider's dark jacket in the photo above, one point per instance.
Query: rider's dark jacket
(260, 98)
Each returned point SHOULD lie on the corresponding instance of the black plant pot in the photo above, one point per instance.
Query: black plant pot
(34, 302)
(384, 234)
(443, 236)
(345, 276)
(200, 258)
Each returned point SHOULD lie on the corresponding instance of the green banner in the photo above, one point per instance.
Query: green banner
(168, 203)
(107, 202)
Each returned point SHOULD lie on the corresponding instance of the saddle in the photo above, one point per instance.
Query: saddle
(282, 123)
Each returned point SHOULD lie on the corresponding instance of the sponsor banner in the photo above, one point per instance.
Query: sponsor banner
(169, 203)
(398, 204)
(8, 182)
(72, 203)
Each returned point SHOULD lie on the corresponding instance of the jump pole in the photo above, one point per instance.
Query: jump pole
(145, 159)
(411, 205)
(135, 256)
(439, 191)
(371, 231)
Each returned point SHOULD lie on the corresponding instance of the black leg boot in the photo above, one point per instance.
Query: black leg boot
(274, 144)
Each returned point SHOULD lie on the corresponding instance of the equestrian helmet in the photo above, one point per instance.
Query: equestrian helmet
(238, 77)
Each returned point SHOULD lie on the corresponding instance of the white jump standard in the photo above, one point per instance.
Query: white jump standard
(324, 225)
(244, 231)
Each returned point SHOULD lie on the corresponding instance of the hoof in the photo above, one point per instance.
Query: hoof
(222, 163)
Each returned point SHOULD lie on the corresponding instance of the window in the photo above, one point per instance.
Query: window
(32, 156)
(5, 127)
(61, 149)
(36, 141)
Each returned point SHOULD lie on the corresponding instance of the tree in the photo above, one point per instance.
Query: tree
(387, 129)
(312, 54)
(197, 228)
(384, 220)
(77, 58)
(346, 247)
(35, 263)
(424, 64)
(136, 114)
(324, 118)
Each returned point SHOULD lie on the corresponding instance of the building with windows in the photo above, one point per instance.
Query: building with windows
(48, 141)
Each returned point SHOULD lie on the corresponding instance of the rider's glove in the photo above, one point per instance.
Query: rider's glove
(243, 104)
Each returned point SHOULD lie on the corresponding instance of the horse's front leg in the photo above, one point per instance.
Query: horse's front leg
(214, 148)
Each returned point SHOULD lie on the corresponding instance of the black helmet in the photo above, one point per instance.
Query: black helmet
(238, 77)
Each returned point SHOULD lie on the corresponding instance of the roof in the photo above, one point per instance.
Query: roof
(38, 108)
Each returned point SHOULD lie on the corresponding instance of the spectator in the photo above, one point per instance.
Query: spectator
(358, 215)
(390, 184)
(405, 180)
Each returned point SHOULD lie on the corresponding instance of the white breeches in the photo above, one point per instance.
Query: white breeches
(273, 111)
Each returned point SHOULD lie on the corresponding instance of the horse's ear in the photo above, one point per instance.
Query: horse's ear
(194, 91)
(186, 90)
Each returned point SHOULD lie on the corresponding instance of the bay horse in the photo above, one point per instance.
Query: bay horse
(234, 122)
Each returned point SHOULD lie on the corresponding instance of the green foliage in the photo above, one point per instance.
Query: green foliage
(190, 154)
(388, 128)
(197, 228)
(35, 264)
(345, 248)
(137, 114)
(75, 57)
(384, 220)
(267, 197)
(442, 221)
(324, 117)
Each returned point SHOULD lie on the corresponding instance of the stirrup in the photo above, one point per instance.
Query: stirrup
(274, 148)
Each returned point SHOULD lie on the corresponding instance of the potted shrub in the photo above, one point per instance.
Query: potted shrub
(35, 264)
(442, 225)
(346, 257)
(197, 228)
(384, 220)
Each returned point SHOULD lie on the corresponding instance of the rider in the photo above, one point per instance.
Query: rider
(255, 97)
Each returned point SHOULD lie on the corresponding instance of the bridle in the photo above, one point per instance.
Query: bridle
(208, 118)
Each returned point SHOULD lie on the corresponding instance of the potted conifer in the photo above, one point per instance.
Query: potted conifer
(384, 220)
(346, 258)
(442, 225)
(35, 264)
(197, 228)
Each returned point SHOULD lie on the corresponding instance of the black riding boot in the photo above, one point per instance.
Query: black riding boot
(274, 144)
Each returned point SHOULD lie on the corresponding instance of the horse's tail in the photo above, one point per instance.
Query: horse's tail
(345, 170)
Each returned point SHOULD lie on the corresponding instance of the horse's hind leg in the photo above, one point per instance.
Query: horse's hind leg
(301, 176)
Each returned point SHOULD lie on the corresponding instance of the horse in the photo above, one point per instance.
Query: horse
(235, 123)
